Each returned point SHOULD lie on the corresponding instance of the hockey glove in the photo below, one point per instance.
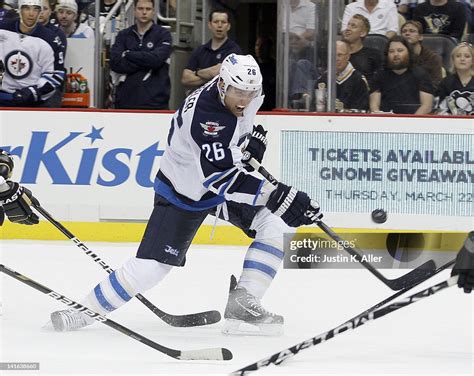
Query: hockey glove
(25, 96)
(294, 207)
(257, 145)
(16, 202)
(464, 266)
(6, 164)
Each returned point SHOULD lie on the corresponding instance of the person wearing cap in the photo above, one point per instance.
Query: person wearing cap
(66, 13)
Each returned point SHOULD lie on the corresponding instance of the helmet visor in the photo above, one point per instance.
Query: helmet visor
(235, 93)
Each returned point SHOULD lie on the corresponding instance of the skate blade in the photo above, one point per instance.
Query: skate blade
(242, 328)
(48, 327)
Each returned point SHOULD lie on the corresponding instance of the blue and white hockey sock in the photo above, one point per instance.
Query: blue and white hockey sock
(135, 276)
(261, 263)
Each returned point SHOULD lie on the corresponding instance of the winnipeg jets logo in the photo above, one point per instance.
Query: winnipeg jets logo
(58, 41)
(211, 128)
(18, 64)
(172, 251)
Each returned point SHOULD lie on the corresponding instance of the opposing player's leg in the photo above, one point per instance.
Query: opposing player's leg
(244, 312)
(167, 237)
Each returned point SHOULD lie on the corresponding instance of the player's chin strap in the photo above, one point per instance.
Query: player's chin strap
(225, 214)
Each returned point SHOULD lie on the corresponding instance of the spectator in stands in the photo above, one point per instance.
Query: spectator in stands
(469, 9)
(205, 61)
(441, 17)
(303, 19)
(352, 91)
(44, 19)
(302, 72)
(66, 13)
(430, 61)
(456, 92)
(264, 57)
(382, 15)
(140, 55)
(364, 59)
(88, 12)
(30, 55)
(406, 7)
(400, 87)
(403, 7)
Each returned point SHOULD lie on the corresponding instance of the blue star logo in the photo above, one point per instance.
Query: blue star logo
(95, 134)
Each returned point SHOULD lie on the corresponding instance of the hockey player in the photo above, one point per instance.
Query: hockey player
(202, 169)
(33, 57)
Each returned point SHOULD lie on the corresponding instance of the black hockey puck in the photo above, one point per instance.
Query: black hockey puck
(379, 216)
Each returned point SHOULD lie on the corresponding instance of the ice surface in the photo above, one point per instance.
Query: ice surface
(431, 337)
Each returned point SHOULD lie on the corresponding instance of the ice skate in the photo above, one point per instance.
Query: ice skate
(67, 320)
(245, 315)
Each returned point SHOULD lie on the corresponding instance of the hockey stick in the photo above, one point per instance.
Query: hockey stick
(411, 278)
(401, 292)
(202, 354)
(191, 319)
(351, 324)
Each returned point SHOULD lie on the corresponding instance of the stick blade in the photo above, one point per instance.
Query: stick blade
(413, 277)
(192, 319)
(206, 354)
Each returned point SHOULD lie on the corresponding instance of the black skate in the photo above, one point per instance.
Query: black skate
(245, 315)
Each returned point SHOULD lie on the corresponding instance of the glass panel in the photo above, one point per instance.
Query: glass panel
(304, 29)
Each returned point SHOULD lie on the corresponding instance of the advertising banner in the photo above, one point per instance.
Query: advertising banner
(100, 166)
(404, 173)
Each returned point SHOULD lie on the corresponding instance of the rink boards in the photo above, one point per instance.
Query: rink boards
(94, 170)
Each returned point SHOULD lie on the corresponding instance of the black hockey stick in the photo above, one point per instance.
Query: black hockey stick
(401, 292)
(202, 354)
(191, 319)
(351, 324)
(411, 278)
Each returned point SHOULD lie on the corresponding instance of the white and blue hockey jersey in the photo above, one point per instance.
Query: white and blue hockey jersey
(31, 60)
(202, 165)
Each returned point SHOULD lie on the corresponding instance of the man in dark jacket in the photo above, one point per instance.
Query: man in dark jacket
(426, 58)
(140, 61)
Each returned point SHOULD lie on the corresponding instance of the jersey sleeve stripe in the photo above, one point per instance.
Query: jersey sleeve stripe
(257, 193)
(218, 176)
